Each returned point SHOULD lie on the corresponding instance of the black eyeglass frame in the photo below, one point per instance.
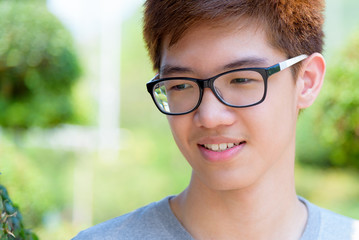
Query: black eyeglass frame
(209, 83)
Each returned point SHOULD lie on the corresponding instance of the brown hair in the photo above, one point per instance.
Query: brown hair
(292, 26)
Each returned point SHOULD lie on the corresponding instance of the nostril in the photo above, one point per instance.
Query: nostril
(212, 114)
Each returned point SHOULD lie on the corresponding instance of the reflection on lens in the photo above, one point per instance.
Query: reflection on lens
(176, 95)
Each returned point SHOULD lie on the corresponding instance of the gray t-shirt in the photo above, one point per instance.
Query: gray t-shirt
(156, 221)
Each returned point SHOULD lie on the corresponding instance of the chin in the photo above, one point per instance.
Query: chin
(228, 182)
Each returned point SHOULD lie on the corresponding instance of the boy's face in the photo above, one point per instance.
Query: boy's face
(259, 140)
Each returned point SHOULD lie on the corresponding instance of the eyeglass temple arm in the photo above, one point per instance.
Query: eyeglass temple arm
(290, 62)
(285, 64)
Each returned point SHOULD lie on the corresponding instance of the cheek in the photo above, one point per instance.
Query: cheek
(282, 99)
(180, 127)
(273, 121)
(173, 125)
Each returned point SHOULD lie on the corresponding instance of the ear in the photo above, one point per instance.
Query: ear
(310, 80)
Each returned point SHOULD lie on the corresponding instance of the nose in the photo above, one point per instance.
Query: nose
(212, 113)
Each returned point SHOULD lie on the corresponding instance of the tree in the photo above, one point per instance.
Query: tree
(11, 225)
(38, 66)
(338, 109)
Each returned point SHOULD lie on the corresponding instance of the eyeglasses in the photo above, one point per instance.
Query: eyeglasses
(237, 88)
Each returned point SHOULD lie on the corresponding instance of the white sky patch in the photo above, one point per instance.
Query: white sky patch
(83, 17)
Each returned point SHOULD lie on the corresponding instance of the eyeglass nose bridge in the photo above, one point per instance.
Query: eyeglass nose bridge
(208, 83)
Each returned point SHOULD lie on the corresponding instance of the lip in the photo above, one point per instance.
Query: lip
(222, 156)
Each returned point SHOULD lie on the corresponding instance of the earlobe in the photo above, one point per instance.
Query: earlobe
(310, 80)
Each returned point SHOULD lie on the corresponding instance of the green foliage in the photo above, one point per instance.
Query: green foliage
(338, 109)
(39, 179)
(11, 224)
(38, 66)
(334, 189)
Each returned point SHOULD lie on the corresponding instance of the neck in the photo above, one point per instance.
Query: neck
(267, 209)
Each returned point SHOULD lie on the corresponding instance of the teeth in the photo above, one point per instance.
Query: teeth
(220, 147)
(223, 146)
(214, 147)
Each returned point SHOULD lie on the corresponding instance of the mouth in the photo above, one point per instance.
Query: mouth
(221, 147)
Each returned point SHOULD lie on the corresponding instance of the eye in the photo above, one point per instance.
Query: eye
(180, 87)
(241, 80)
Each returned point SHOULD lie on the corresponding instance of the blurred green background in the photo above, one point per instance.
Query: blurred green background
(56, 156)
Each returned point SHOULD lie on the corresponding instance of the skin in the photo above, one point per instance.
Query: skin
(249, 191)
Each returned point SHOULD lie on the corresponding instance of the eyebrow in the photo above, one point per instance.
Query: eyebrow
(247, 62)
(168, 69)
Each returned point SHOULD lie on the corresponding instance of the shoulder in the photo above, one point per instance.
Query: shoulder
(149, 222)
(338, 226)
(119, 226)
(327, 225)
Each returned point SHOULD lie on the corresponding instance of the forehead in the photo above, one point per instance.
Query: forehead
(206, 46)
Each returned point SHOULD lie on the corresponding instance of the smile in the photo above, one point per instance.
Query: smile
(221, 147)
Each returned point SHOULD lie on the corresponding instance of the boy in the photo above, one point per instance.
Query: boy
(232, 77)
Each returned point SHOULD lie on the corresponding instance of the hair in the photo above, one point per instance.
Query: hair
(292, 26)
